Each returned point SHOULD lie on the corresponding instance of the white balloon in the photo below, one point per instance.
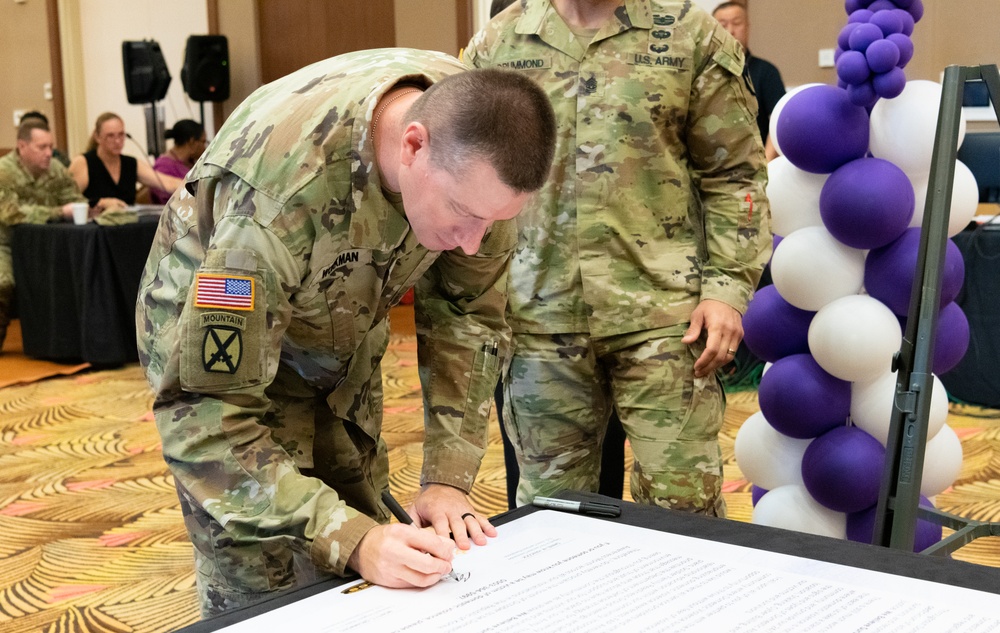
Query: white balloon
(902, 129)
(792, 508)
(767, 458)
(964, 199)
(942, 462)
(854, 338)
(794, 196)
(871, 406)
(810, 268)
(776, 112)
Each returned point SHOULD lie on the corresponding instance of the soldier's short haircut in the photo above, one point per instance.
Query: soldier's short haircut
(729, 5)
(34, 114)
(492, 114)
(24, 130)
(499, 5)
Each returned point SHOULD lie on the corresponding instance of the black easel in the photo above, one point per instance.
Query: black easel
(898, 504)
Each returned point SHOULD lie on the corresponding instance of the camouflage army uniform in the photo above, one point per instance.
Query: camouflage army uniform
(26, 199)
(269, 396)
(656, 202)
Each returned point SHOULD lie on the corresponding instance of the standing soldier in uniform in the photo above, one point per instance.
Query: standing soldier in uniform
(262, 314)
(34, 189)
(636, 260)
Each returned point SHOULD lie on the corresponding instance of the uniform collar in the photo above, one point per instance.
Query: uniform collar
(375, 222)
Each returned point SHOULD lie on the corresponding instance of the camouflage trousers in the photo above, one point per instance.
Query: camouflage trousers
(560, 390)
(6, 289)
(235, 565)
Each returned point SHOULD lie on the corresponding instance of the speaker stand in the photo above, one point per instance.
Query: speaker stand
(897, 510)
(156, 141)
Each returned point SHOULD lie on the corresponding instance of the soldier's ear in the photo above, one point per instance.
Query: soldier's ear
(415, 140)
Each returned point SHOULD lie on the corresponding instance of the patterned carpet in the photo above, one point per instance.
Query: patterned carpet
(91, 536)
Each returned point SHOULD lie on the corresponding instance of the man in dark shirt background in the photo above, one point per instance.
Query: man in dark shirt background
(766, 79)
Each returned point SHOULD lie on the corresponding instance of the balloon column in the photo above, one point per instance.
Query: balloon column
(847, 195)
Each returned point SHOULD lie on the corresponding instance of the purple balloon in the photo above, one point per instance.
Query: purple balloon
(861, 16)
(774, 328)
(903, 4)
(867, 203)
(951, 339)
(852, 67)
(842, 469)
(891, 269)
(799, 399)
(820, 129)
(863, 35)
(843, 38)
(905, 46)
(916, 9)
(756, 492)
(889, 85)
(881, 5)
(889, 21)
(882, 56)
(907, 21)
(861, 527)
(862, 95)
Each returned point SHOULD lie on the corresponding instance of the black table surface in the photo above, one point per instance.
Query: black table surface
(76, 289)
(860, 555)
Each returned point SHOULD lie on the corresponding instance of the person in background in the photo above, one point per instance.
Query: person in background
(33, 189)
(612, 473)
(637, 258)
(189, 145)
(107, 177)
(56, 153)
(262, 315)
(764, 76)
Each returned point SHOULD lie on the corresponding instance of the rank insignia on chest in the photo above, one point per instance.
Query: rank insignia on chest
(222, 349)
(229, 292)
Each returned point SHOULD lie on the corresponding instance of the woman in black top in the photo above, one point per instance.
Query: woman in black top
(108, 178)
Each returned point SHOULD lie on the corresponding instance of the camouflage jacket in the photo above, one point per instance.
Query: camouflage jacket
(656, 199)
(29, 200)
(282, 258)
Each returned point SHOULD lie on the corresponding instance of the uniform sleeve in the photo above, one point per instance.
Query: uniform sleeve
(729, 166)
(210, 367)
(462, 338)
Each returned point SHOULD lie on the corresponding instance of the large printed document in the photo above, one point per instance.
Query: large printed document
(553, 571)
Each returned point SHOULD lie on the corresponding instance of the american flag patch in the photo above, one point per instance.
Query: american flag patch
(223, 291)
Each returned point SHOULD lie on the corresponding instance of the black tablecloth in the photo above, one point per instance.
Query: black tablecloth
(76, 289)
(976, 379)
(923, 567)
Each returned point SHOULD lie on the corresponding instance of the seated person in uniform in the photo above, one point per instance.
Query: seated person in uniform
(108, 178)
(33, 189)
(56, 152)
(189, 145)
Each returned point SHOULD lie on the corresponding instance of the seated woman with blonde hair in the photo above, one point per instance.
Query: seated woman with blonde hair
(108, 178)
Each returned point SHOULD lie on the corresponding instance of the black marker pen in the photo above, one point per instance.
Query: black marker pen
(580, 507)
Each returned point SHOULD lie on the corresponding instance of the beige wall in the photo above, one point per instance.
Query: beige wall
(427, 24)
(787, 32)
(238, 22)
(790, 33)
(24, 64)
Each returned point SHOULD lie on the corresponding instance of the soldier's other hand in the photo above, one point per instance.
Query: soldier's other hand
(722, 325)
(399, 555)
(448, 511)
